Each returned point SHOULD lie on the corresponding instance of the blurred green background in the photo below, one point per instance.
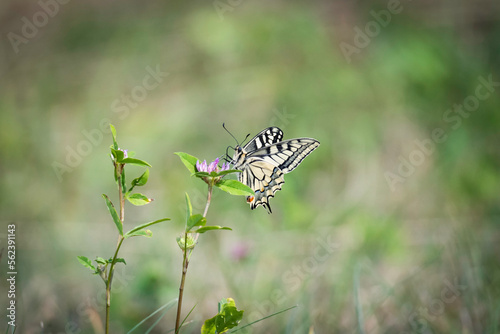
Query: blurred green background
(380, 230)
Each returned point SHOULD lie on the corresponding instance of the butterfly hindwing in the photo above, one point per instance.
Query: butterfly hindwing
(264, 178)
(265, 159)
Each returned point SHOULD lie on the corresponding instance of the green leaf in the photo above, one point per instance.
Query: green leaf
(100, 260)
(196, 220)
(141, 233)
(139, 199)
(187, 316)
(228, 317)
(134, 161)
(141, 180)
(209, 326)
(142, 226)
(113, 132)
(264, 318)
(120, 259)
(189, 161)
(85, 261)
(114, 214)
(118, 155)
(167, 306)
(113, 159)
(229, 171)
(214, 174)
(189, 207)
(210, 228)
(122, 178)
(234, 187)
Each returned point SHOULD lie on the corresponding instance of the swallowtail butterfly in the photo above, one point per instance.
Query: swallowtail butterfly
(265, 159)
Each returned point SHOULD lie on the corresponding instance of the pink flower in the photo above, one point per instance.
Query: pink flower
(201, 166)
(209, 168)
(212, 167)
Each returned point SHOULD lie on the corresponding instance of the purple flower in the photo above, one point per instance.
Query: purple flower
(240, 251)
(201, 166)
(212, 167)
(225, 166)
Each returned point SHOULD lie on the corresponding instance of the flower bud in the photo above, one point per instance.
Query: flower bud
(186, 245)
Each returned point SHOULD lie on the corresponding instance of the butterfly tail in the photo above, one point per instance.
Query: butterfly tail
(267, 190)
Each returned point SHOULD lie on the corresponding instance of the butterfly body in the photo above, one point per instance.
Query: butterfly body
(265, 159)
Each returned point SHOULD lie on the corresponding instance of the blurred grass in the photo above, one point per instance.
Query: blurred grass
(264, 64)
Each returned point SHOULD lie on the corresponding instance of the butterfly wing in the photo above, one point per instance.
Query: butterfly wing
(288, 154)
(267, 160)
(264, 178)
(266, 137)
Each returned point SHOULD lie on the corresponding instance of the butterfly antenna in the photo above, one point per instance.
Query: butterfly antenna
(248, 135)
(224, 126)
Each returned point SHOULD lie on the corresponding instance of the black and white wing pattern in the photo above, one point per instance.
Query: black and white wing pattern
(265, 159)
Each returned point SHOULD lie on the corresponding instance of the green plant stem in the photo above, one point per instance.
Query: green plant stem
(109, 281)
(209, 198)
(185, 263)
(119, 171)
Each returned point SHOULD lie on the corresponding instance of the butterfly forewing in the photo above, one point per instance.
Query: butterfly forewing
(264, 138)
(265, 159)
(288, 154)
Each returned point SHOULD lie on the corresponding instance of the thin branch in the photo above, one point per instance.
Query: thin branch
(185, 263)
(109, 281)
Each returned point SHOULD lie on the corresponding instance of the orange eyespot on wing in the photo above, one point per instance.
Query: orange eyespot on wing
(250, 199)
